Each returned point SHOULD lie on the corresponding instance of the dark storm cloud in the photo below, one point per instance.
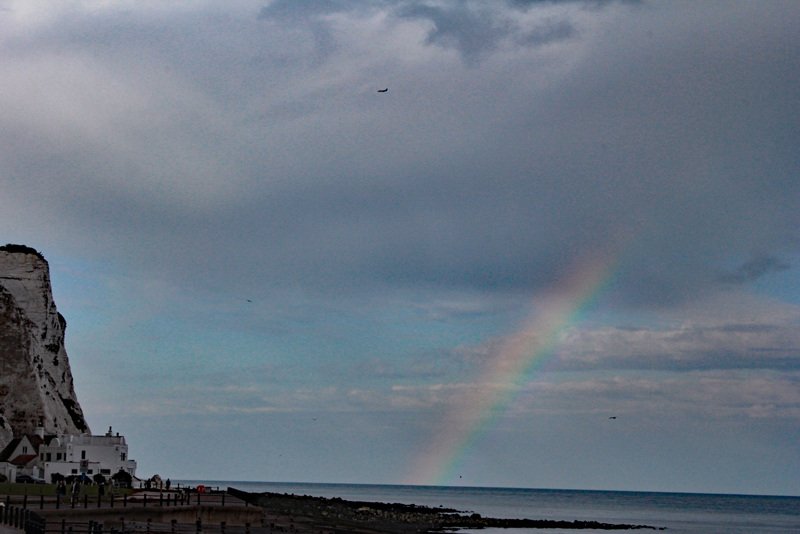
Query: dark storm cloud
(291, 10)
(673, 153)
(754, 269)
(473, 29)
(471, 32)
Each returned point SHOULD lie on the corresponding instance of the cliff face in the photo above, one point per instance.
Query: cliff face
(35, 378)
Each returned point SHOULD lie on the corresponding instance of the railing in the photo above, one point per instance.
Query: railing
(33, 523)
(162, 499)
(23, 519)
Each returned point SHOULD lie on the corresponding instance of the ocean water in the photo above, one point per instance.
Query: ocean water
(680, 513)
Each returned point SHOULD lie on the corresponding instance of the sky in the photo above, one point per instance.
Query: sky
(559, 252)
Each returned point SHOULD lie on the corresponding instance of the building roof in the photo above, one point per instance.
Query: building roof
(34, 439)
(22, 459)
(9, 449)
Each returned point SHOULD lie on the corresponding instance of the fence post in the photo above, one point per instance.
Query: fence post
(25, 501)
(86, 500)
(223, 498)
(198, 498)
(41, 501)
(144, 500)
(161, 499)
(222, 527)
(124, 501)
(112, 500)
(247, 528)
(148, 525)
(172, 526)
(98, 498)
(63, 526)
(199, 526)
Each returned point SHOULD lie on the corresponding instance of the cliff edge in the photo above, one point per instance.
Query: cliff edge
(35, 379)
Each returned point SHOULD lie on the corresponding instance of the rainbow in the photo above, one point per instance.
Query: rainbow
(511, 367)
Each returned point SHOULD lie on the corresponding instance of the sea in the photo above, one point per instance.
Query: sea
(679, 513)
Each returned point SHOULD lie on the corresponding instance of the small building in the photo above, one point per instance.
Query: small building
(67, 454)
(18, 454)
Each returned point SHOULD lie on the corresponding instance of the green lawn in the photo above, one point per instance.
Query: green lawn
(12, 488)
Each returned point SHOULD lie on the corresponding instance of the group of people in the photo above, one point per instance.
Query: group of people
(75, 490)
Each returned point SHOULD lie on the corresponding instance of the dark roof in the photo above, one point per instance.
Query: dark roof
(23, 459)
(35, 441)
(9, 449)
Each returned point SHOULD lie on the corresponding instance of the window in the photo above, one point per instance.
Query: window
(49, 457)
(105, 471)
(74, 471)
(58, 456)
(41, 457)
(122, 457)
(83, 455)
(90, 471)
(24, 450)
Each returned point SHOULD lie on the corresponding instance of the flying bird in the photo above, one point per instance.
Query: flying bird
(383, 90)
(613, 417)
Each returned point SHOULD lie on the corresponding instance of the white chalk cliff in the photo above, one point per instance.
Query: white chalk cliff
(35, 379)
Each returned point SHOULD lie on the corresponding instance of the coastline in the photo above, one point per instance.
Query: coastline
(334, 515)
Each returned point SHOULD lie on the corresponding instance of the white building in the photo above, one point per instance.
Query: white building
(68, 454)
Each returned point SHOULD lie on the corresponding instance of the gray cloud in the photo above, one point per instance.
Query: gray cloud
(689, 348)
(753, 269)
(217, 135)
(471, 32)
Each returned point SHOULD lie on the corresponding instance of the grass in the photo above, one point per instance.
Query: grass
(12, 488)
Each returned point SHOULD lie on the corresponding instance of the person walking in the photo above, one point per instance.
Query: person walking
(76, 489)
(61, 490)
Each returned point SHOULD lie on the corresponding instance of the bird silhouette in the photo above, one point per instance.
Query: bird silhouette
(613, 417)
(383, 90)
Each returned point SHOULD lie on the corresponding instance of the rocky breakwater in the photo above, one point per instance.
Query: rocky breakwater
(36, 387)
(338, 515)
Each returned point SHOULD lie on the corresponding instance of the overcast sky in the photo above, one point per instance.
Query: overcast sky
(560, 212)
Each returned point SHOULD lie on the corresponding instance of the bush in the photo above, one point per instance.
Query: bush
(99, 479)
(56, 477)
(3, 478)
(23, 249)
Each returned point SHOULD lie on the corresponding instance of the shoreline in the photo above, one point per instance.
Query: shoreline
(321, 514)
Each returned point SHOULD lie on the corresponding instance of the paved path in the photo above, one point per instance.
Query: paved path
(5, 529)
